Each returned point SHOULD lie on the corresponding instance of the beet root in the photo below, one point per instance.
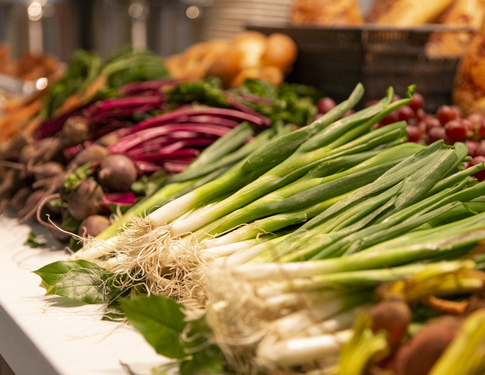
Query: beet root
(419, 355)
(394, 317)
(93, 225)
(93, 154)
(108, 139)
(75, 131)
(85, 200)
(117, 173)
(47, 170)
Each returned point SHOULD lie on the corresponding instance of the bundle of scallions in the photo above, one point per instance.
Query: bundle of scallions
(331, 189)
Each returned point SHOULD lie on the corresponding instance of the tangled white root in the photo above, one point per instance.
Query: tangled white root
(161, 263)
(239, 319)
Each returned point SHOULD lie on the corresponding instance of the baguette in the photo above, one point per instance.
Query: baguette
(326, 12)
(406, 12)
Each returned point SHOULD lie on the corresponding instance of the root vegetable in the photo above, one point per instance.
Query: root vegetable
(117, 173)
(86, 200)
(48, 170)
(107, 140)
(26, 154)
(93, 225)
(75, 131)
(419, 355)
(93, 153)
(393, 316)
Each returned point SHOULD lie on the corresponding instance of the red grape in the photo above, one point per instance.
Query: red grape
(412, 122)
(390, 118)
(325, 104)
(420, 114)
(422, 126)
(348, 113)
(456, 130)
(446, 114)
(480, 149)
(458, 111)
(472, 147)
(478, 122)
(416, 102)
(432, 122)
(437, 133)
(477, 160)
(468, 126)
(405, 113)
(414, 133)
(317, 116)
(371, 103)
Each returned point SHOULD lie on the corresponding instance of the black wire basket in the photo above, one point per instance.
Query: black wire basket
(335, 59)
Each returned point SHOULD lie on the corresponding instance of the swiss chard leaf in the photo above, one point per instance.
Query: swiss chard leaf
(160, 320)
(79, 279)
(32, 242)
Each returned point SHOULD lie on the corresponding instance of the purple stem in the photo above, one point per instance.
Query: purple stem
(132, 140)
(175, 167)
(119, 199)
(241, 107)
(172, 154)
(134, 88)
(53, 125)
(174, 115)
(109, 105)
(213, 120)
(146, 167)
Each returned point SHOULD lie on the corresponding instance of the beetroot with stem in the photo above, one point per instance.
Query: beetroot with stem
(85, 200)
(91, 154)
(117, 173)
(212, 120)
(93, 225)
(121, 103)
(75, 131)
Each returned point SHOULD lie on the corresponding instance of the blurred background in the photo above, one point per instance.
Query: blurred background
(166, 27)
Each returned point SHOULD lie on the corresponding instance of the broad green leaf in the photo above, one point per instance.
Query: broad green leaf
(160, 320)
(113, 313)
(80, 280)
(207, 361)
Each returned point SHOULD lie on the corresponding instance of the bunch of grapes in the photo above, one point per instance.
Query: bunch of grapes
(448, 124)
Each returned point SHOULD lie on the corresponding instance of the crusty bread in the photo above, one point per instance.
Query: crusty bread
(326, 12)
(465, 13)
(469, 91)
(406, 12)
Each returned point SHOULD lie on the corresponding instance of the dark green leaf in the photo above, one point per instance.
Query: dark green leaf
(160, 320)
(70, 224)
(31, 241)
(208, 92)
(79, 279)
(148, 185)
(206, 361)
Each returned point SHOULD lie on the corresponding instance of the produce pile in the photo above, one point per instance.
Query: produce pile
(273, 263)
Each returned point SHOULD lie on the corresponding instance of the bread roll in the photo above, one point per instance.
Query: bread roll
(326, 12)
(281, 52)
(465, 13)
(469, 91)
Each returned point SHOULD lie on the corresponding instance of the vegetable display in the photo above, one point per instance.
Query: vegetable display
(259, 229)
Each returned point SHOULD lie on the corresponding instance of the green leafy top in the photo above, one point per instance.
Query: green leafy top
(72, 181)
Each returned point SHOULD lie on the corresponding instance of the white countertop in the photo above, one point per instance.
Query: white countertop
(53, 335)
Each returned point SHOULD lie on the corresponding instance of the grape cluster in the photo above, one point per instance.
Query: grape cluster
(447, 124)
